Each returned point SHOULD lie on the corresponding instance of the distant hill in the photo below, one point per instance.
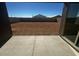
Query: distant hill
(55, 17)
(36, 18)
(14, 19)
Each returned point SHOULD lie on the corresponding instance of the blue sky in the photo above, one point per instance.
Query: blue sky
(29, 9)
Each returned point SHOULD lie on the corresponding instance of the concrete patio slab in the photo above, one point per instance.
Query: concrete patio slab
(36, 45)
(18, 45)
(52, 46)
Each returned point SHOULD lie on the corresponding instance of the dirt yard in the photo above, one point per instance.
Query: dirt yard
(32, 28)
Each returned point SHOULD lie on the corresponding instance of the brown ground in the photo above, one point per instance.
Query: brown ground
(23, 28)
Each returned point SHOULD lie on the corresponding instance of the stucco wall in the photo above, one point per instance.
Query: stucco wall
(23, 28)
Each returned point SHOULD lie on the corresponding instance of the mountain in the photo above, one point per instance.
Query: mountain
(39, 16)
